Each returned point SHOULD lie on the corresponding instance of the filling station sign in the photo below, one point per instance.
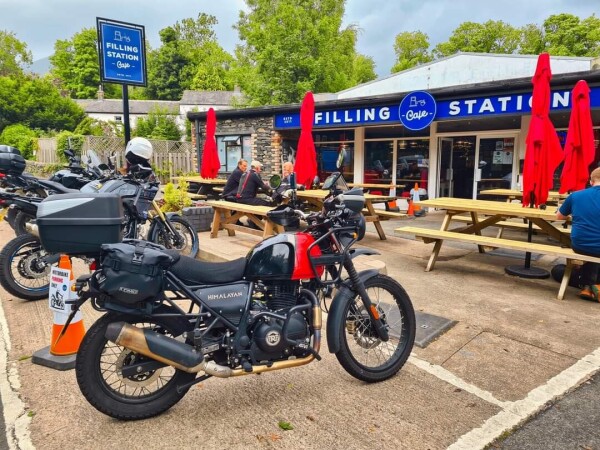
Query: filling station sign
(122, 52)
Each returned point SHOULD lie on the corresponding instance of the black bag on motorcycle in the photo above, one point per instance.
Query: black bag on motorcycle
(133, 271)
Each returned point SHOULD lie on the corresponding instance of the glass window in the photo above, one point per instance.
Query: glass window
(379, 160)
(412, 164)
(333, 136)
(231, 149)
(496, 157)
(335, 158)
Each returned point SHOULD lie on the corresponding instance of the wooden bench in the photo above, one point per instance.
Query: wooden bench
(386, 215)
(228, 213)
(503, 224)
(438, 236)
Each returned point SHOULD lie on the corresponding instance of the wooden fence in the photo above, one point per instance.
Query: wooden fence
(170, 158)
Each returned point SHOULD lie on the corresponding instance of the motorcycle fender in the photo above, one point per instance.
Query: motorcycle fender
(362, 251)
(344, 294)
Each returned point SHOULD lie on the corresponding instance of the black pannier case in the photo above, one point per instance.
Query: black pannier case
(11, 161)
(79, 223)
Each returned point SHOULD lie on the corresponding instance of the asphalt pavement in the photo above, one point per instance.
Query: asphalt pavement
(515, 371)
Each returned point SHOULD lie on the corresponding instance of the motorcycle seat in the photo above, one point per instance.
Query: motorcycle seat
(57, 187)
(203, 272)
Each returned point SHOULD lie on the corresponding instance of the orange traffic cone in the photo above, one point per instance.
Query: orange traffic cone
(66, 340)
(415, 197)
(411, 208)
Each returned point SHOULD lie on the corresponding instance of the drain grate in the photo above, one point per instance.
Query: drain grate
(429, 327)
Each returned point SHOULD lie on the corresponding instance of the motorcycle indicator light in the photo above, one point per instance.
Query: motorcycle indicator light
(93, 265)
(374, 312)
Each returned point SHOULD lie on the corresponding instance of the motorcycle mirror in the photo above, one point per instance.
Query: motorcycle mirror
(69, 153)
(275, 181)
(293, 180)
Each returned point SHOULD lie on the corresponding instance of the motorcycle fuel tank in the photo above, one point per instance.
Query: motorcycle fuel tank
(282, 257)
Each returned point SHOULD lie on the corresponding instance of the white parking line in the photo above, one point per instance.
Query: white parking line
(15, 416)
(513, 413)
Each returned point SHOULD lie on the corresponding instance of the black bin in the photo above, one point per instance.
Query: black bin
(79, 223)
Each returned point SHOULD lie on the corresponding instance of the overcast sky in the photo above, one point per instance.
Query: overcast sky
(39, 23)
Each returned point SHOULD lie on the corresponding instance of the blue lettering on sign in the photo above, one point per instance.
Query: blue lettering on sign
(420, 115)
(122, 52)
(417, 110)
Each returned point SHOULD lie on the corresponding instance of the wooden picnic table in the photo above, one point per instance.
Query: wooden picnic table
(316, 198)
(208, 187)
(485, 213)
(512, 194)
(228, 213)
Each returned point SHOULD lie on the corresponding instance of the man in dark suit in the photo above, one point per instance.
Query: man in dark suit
(251, 184)
(233, 182)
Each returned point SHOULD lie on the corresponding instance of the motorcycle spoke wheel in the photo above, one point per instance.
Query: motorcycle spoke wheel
(23, 272)
(361, 352)
(185, 240)
(99, 366)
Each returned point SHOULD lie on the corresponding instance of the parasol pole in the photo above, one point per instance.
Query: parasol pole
(526, 271)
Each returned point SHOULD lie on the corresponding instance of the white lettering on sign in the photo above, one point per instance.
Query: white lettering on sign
(123, 56)
(122, 48)
(352, 115)
(384, 113)
(412, 115)
(495, 105)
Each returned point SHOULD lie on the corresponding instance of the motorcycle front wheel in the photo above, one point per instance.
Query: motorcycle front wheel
(185, 239)
(99, 366)
(361, 353)
(24, 272)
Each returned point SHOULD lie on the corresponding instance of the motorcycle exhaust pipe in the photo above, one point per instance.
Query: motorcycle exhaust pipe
(32, 228)
(175, 353)
(156, 346)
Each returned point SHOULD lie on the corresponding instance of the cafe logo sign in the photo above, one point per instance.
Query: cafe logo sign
(417, 110)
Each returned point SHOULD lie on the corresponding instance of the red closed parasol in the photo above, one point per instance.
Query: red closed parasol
(543, 152)
(210, 156)
(306, 156)
(579, 146)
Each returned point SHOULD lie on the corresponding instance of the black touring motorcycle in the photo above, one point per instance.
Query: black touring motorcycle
(172, 321)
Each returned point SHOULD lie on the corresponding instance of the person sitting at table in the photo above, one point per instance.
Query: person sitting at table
(286, 182)
(584, 208)
(233, 182)
(251, 184)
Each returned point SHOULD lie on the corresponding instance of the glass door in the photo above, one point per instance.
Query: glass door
(457, 167)
(496, 159)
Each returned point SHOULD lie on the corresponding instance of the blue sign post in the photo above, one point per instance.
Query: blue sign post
(122, 55)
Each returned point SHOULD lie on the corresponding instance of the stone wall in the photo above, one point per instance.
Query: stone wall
(265, 142)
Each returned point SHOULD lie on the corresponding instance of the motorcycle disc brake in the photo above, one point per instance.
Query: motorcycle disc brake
(32, 268)
(129, 357)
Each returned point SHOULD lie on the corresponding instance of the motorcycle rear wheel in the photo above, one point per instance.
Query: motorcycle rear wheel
(98, 371)
(22, 272)
(361, 353)
(21, 219)
(186, 241)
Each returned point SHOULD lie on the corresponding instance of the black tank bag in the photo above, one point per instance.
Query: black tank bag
(133, 271)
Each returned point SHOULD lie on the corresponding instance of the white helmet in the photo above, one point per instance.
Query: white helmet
(140, 147)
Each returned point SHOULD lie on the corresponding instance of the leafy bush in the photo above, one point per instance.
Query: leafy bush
(176, 198)
(158, 125)
(21, 137)
(94, 127)
(62, 143)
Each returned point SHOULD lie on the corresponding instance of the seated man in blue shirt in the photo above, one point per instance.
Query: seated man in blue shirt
(584, 208)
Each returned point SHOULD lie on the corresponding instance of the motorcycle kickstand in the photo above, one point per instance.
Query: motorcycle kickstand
(180, 388)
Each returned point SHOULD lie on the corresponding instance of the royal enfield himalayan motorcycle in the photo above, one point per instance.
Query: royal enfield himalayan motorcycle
(252, 315)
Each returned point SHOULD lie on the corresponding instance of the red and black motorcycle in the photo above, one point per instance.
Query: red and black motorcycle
(252, 315)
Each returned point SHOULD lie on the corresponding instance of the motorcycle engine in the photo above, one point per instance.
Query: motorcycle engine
(268, 341)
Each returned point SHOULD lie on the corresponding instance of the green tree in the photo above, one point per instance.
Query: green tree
(412, 49)
(567, 35)
(493, 36)
(13, 54)
(532, 40)
(190, 57)
(37, 103)
(21, 137)
(292, 46)
(159, 124)
(75, 64)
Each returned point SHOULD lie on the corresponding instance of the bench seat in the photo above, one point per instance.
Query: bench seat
(438, 236)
